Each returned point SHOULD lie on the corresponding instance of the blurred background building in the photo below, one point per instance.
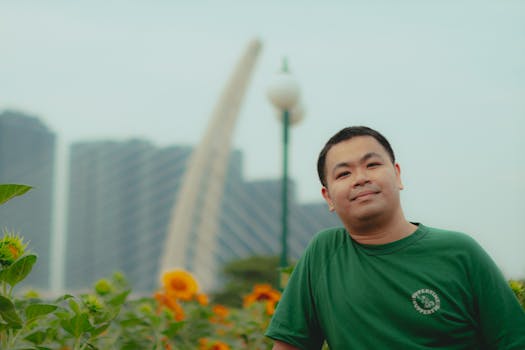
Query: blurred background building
(120, 198)
(123, 198)
(120, 195)
(27, 156)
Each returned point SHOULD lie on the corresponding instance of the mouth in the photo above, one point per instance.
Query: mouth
(364, 194)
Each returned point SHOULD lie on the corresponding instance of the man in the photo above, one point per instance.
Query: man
(382, 282)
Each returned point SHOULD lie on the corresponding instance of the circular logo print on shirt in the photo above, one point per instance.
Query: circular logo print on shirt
(426, 301)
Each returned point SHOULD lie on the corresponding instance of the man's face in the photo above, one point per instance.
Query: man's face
(362, 183)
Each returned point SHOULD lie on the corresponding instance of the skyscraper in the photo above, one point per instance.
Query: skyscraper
(27, 156)
(120, 195)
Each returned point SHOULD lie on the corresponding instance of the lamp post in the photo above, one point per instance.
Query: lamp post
(283, 93)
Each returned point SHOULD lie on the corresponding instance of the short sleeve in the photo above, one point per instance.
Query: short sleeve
(295, 318)
(500, 316)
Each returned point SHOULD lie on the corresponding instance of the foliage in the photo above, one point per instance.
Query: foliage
(241, 275)
(175, 317)
(518, 287)
(8, 191)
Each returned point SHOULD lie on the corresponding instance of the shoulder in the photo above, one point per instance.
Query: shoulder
(323, 246)
(448, 236)
(329, 238)
(452, 241)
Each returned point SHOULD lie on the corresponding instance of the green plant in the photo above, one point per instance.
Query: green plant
(105, 318)
(68, 322)
(518, 287)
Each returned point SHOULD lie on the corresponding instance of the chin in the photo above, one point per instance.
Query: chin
(367, 216)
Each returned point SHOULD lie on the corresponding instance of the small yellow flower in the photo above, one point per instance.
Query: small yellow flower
(180, 284)
(12, 247)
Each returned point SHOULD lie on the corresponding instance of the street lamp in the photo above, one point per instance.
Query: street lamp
(283, 92)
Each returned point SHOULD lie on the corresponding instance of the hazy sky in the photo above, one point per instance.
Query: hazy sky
(443, 80)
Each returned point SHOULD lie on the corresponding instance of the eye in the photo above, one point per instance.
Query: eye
(342, 174)
(373, 164)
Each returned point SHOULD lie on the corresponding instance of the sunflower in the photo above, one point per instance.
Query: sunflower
(180, 284)
(263, 293)
(171, 304)
(220, 312)
(12, 246)
(205, 344)
(270, 307)
(202, 299)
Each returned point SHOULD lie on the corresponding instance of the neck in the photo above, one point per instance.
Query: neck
(381, 233)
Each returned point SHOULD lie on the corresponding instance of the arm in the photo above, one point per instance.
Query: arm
(294, 324)
(279, 345)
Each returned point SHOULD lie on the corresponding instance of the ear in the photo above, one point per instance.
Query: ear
(398, 176)
(327, 198)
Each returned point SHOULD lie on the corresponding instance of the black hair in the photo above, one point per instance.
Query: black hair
(346, 134)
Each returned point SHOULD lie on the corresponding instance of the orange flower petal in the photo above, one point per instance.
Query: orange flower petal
(180, 284)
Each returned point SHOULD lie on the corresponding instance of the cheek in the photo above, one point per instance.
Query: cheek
(340, 195)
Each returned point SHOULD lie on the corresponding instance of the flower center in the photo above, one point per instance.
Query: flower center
(14, 251)
(263, 296)
(178, 284)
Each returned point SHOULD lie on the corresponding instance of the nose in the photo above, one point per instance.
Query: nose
(360, 177)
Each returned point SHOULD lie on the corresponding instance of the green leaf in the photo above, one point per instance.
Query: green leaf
(119, 299)
(97, 331)
(8, 313)
(173, 328)
(37, 337)
(74, 306)
(64, 297)
(8, 191)
(132, 322)
(19, 270)
(34, 311)
(77, 325)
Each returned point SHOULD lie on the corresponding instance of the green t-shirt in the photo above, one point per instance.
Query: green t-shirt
(434, 289)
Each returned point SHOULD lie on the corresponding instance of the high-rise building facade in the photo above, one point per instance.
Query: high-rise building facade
(120, 198)
(27, 156)
(120, 195)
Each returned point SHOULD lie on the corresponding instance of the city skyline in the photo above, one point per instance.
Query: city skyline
(444, 81)
(119, 197)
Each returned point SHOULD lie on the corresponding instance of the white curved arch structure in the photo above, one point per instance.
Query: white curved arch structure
(193, 227)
